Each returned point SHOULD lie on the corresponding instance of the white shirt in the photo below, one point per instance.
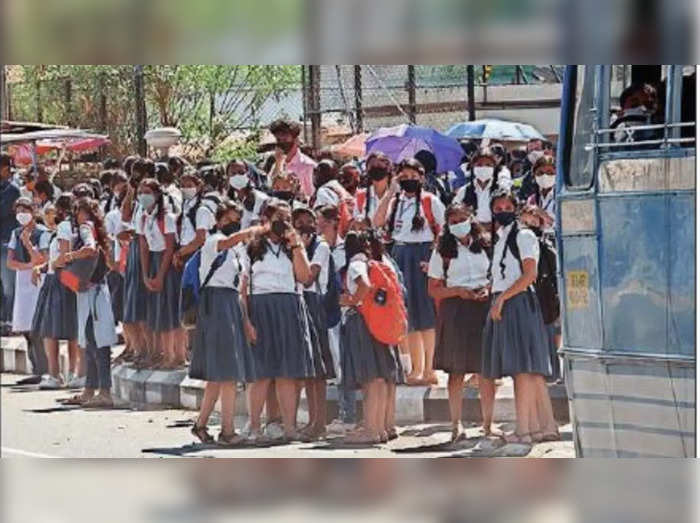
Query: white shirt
(137, 219)
(152, 232)
(205, 219)
(86, 235)
(274, 273)
(249, 217)
(225, 275)
(371, 195)
(404, 218)
(64, 231)
(43, 240)
(173, 196)
(483, 201)
(338, 253)
(529, 248)
(468, 270)
(357, 269)
(328, 194)
(504, 178)
(321, 259)
(113, 226)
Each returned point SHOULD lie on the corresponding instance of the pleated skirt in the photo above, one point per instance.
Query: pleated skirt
(420, 306)
(56, 313)
(135, 299)
(220, 351)
(460, 324)
(364, 358)
(115, 282)
(517, 343)
(163, 308)
(323, 359)
(283, 348)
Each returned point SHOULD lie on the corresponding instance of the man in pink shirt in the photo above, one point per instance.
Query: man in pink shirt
(288, 157)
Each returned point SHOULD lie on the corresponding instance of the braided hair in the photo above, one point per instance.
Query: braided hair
(380, 157)
(418, 219)
(92, 208)
(153, 184)
(497, 195)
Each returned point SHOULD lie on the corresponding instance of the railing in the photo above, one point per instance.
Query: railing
(663, 142)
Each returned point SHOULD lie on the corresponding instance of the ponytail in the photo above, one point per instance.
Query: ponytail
(418, 219)
(392, 218)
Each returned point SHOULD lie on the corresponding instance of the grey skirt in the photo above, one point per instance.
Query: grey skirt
(460, 324)
(283, 348)
(56, 313)
(115, 282)
(135, 293)
(220, 351)
(516, 344)
(323, 359)
(163, 308)
(364, 358)
(419, 304)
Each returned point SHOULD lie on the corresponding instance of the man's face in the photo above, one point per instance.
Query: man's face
(285, 141)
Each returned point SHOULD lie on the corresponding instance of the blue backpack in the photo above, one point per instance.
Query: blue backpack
(190, 288)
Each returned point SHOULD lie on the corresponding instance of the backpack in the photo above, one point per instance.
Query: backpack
(426, 204)
(546, 286)
(192, 212)
(331, 299)
(190, 287)
(383, 310)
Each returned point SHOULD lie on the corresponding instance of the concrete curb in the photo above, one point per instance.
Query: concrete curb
(157, 388)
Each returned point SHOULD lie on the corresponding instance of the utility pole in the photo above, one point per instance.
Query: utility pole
(315, 105)
(412, 93)
(359, 124)
(470, 93)
(139, 96)
(4, 108)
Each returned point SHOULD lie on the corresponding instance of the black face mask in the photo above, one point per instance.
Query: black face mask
(230, 228)
(377, 173)
(279, 228)
(285, 146)
(286, 196)
(504, 218)
(308, 230)
(410, 186)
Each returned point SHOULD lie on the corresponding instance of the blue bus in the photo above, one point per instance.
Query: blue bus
(626, 248)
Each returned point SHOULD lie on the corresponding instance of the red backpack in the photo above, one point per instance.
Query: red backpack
(383, 309)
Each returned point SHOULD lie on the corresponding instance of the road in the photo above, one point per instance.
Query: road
(34, 424)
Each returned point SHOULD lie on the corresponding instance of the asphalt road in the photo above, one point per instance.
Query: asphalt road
(34, 424)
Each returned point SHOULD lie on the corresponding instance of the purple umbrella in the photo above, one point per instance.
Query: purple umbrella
(404, 141)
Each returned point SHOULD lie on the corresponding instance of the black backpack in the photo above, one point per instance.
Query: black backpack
(546, 286)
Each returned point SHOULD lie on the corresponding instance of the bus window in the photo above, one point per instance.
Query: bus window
(580, 171)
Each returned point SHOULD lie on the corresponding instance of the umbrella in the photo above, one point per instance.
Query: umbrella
(495, 129)
(353, 146)
(404, 141)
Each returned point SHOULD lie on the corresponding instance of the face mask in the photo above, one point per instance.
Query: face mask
(545, 181)
(146, 200)
(278, 228)
(504, 218)
(238, 181)
(533, 156)
(189, 192)
(285, 146)
(230, 228)
(640, 110)
(461, 229)
(377, 173)
(410, 186)
(483, 173)
(308, 230)
(286, 196)
(24, 218)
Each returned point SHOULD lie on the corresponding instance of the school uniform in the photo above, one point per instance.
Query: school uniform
(318, 322)
(328, 194)
(363, 357)
(204, 218)
(548, 204)
(460, 322)
(518, 342)
(115, 280)
(479, 199)
(366, 203)
(55, 316)
(220, 351)
(284, 347)
(251, 213)
(163, 307)
(135, 292)
(410, 249)
(26, 293)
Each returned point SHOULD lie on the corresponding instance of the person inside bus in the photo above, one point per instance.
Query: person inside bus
(544, 174)
(639, 106)
(535, 149)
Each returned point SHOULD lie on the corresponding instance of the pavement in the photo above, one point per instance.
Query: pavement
(35, 424)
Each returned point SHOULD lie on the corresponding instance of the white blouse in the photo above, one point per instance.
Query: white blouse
(407, 209)
(205, 219)
(468, 270)
(274, 273)
(152, 232)
(225, 275)
(249, 217)
(529, 248)
(321, 259)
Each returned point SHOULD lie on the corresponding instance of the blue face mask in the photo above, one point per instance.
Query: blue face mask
(146, 200)
(461, 229)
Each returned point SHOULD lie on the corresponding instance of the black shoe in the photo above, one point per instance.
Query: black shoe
(31, 380)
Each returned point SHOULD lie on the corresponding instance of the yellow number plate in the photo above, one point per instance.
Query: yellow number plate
(577, 289)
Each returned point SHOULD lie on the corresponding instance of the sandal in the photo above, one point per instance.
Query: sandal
(75, 400)
(514, 437)
(392, 434)
(201, 434)
(229, 440)
(98, 402)
(458, 435)
(551, 436)
(361, 438)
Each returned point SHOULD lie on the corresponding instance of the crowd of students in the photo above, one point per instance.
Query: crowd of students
(284, 254)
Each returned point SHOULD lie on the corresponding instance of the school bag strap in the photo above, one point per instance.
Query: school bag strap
(426, 202)
(218, 262)
(512, 244)
(361, 199)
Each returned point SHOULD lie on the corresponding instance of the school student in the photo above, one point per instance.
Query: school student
(480, 186)
(514, 340)
(162, 280)
(315, 289)
(113, 227)
(27, 248)
(55, 317)
(544, 172)
(367, 363)
(458, 272)
(276, 320)
(379, 169)
(96, 329)
(413, 219)
(221, 355)
(244, 191)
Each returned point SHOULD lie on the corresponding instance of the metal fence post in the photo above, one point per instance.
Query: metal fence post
(140, 99)
(103, 102)
(68, 100)
(305, 102)
(412, 93)
(3, 95)
(470, 93)
(359, 124)
(315, 105)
